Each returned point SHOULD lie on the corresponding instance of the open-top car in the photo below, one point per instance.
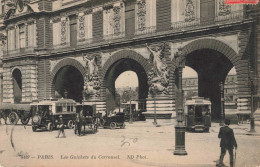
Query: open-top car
(46, 113)
(113, 120)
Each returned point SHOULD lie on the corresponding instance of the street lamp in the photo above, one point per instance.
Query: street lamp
(180, 128)
(153, 94)
(252, 118)
(221, 85)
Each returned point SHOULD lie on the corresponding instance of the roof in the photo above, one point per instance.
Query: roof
(197, 101)
(12, 106)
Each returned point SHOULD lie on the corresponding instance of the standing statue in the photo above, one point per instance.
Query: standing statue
(92, 83)
(158, 78)
(91, 64)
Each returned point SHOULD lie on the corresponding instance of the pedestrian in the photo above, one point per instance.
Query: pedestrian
(78, 125)
(227, 142)
(61, 127)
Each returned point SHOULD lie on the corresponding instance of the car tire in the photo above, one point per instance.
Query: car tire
(34, 128)
(112, 125)
(70, 124)
(50, 127)
(13, 118)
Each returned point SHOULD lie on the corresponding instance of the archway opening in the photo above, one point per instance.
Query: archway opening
(189, 83)
(68, 83)
(212, 68)
(135, 78)
(17, 83)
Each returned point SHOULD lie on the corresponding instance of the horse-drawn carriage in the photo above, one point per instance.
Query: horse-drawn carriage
(47, 112)
(15, 112)
(87, 116)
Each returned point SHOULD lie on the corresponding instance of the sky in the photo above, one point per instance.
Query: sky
(129, 78)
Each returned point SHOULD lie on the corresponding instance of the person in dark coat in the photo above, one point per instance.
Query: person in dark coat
(78, 125)
(61, 127)
(227, 142)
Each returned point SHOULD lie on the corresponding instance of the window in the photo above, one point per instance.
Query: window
(73, 31)
(145, 16)
(31, 35)
(56, 33)
(22, 39)
(11, 39)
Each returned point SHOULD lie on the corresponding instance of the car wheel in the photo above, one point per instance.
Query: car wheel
(34, 128)
(70, 124)
(25, 120)
(112, 125)
(13, 118)
(50, 127)
(123, 126)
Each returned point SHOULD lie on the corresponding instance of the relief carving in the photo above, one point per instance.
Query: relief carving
(92, 82)
(63, 31)
(190, 11)
(141, 12)
(223, 8)
(16, 7)
(158, 77)
(81, 27)
(117, 20)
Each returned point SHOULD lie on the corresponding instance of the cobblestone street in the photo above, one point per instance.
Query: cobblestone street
(139, 144)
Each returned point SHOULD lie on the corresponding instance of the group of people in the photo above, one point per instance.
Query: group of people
(226, 134)
(61, 126)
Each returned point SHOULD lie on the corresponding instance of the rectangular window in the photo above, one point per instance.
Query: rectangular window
(73, 31)
(11, 39)
(56, 33)
(22, 39)
(31, 35)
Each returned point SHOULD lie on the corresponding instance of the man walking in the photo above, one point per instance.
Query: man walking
(228, 142)
(61, 127)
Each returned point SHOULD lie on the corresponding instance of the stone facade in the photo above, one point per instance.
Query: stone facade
(127, 35)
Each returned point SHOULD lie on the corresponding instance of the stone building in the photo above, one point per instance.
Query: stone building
(80, 47)
(190, 88)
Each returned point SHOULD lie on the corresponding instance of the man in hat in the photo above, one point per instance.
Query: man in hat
(61, 127)
(228, 142)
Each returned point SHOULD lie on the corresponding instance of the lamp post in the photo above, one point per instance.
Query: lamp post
(180, 128)
(252, 118)
(153, 94)
(130, 99)
(221, 85)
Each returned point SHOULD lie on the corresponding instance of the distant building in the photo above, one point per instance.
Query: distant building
(190, 88)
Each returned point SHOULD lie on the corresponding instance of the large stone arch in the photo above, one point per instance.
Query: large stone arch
(230, 54)
(139, 64)
(130, 54)
(208, 43)
(62, 63)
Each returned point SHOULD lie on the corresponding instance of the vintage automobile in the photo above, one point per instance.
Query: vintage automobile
(15, 112)
(137, 111)
(46, 113)
(113, 121)
(88, 116)
(197, 114)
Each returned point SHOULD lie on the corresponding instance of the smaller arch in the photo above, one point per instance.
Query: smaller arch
(61, 64)
(67, 62)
